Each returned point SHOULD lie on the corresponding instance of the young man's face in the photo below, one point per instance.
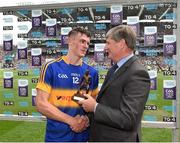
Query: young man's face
(79, 44)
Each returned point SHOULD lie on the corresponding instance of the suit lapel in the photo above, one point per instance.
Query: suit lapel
(109, 79)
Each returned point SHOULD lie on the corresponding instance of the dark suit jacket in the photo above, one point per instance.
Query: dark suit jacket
(121, 103)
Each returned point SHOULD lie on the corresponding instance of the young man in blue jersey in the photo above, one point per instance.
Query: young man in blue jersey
(59, 81)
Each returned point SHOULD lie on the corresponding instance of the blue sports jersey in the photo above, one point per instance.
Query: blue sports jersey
(61, 81)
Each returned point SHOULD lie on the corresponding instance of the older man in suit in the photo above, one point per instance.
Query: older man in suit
(118, 109)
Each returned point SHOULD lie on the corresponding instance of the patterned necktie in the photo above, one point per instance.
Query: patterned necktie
(113, 69)
(107, 79)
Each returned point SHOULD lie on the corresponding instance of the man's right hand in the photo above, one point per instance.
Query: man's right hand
(79, 123)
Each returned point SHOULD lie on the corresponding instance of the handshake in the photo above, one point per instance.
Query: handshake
(79, 123)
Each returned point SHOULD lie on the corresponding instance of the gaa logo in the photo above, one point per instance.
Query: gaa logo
(62, 76)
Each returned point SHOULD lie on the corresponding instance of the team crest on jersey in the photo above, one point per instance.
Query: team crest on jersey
(62, 75)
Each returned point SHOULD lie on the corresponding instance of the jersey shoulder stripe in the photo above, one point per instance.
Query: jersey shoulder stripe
(44, 67)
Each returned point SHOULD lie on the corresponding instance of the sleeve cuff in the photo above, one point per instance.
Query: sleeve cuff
(95, 107)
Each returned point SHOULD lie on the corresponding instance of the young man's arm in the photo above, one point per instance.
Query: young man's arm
(77, 123)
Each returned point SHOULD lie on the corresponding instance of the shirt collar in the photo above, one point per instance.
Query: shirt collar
(67, 62)
(123, 60)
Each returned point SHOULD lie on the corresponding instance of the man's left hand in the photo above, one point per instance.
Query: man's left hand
(88, 104)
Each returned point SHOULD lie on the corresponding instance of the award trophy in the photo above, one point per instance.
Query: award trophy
(83, 87)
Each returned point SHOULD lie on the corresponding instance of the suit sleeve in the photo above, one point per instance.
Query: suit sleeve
(129, 113)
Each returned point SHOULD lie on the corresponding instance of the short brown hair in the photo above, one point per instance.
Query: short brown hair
(123, 32)
(79, 30)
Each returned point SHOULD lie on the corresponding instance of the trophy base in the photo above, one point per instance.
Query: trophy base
(78, 97)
